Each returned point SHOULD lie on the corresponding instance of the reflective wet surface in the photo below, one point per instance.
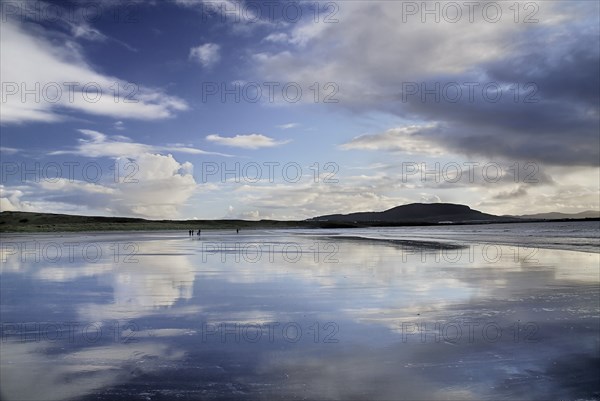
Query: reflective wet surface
(289, 314)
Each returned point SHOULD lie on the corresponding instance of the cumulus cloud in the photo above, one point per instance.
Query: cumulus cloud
(32, 198)
(251, 141)
(162, 188)
(10, 199)
(207, 55)
(158, 187)
(145, 183)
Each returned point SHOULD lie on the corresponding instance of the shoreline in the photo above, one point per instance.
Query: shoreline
(51, 223)
(436, 238)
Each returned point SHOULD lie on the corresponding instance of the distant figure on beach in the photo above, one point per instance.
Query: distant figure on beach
(189, 233)
(198, 232)
(237, 230)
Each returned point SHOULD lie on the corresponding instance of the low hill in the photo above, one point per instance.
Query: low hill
(417, 212)
(589, 214)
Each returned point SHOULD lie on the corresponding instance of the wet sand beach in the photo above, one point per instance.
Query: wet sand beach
(388, 314)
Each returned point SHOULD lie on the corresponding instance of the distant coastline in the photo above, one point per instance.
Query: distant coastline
(29, 222)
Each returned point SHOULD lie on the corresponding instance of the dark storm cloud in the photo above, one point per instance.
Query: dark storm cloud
(554, 119)
(552, 63)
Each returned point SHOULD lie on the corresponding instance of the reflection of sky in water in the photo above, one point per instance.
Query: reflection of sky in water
(154, 314)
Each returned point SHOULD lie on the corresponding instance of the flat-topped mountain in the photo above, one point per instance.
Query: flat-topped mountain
(417, 212)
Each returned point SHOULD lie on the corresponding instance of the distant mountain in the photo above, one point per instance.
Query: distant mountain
(589, 214)
(417, 212)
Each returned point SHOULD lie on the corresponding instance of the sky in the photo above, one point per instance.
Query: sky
(182, 109)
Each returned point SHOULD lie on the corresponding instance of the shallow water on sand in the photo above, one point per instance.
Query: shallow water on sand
(339, 314)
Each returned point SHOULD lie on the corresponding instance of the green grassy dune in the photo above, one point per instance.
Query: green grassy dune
(47, 222)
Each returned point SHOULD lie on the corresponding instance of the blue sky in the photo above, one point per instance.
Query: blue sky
(158, 132)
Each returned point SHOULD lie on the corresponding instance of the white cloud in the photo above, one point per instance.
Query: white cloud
(311, 199)
(98, 144)
(411, 139)
(60, 383)
(149, 184)
(73, 19)
(163, 187)
(429, 198)
(31, 198)
(517, 192)
(288, 126)
(304, 33)
(252, 141)
(87, 32)
(8, 151)
(385, 51)
(207, 54)
(64, 63)
(234, 11)
(277, 37)
(65, 186)
(251, 215)
(10, 199)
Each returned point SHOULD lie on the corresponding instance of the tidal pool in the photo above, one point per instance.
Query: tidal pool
(388, 314)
